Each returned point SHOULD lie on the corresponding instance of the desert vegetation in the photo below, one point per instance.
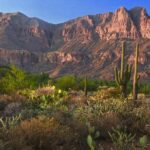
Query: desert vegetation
(38, 112)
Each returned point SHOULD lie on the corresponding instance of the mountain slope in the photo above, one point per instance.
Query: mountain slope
(89, 44)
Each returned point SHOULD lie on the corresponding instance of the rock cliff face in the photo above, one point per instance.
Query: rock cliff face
(89, 44)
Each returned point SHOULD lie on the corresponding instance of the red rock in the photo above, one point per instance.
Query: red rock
(89, 44)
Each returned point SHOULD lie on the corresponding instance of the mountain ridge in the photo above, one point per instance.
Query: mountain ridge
(85, 45)
(131, 9)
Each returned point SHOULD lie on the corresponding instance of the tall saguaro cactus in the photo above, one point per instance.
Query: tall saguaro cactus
(85, 86)
(123, 76)
(136, 77)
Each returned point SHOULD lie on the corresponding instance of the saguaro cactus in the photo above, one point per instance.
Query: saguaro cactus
(123, 76)
(85, 86)
(136, 77)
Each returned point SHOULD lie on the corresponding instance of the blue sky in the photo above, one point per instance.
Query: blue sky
(56, 11)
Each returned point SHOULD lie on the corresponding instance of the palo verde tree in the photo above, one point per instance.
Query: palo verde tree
(123, 75)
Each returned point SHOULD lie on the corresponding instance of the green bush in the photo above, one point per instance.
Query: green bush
(35, 80)
(76, 83)
(144, 88)
(92, 85)
(10, 83)
(67, 82)
(21, 80)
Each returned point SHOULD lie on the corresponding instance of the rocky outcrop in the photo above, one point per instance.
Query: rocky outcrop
(142, 21)
(86, 45)
(119, 26)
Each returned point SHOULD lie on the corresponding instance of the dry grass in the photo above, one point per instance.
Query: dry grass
(44, 134)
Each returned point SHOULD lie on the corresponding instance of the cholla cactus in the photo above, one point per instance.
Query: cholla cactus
(136, 77)
(123, 76)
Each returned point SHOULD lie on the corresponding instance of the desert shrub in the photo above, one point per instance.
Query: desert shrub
(67, 82)
(29, 113)
(12, 109)
(107, 83)
(9, 122)
(95, 110)
(92, 84)
(122, 140)
(144, 88)
(111, 112)
(28, 93)
(42, 91)
(21, 80)
(2, 105)
(76, 83)
(105, 93)
(9, 98)
(2, 144)
(11, 83)
(44, 133)
(33, 81)
(135, 118)
(45, 97)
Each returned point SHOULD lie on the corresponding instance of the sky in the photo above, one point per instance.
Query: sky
(58, 11)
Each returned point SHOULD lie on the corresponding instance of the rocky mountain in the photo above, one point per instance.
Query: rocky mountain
(87, 45)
